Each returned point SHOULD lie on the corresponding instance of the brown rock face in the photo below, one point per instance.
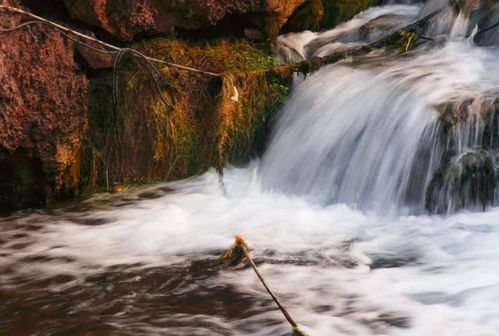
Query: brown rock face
(92, 59)
(43, 112)
(307, 17)
(126, 19)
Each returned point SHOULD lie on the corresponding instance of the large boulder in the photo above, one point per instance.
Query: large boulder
(59, 134)
(126, 19)
(43, 113)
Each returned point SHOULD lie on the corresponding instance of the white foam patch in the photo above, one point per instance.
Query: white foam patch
(446, 283)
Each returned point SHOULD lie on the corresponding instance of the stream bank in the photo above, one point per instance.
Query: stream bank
(61, 138)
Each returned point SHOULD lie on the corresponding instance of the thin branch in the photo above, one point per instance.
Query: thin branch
(233, 256)
(264, 283)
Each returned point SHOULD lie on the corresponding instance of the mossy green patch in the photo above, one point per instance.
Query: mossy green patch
(194, 122)
(338, 11)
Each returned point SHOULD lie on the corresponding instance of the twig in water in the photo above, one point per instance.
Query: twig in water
(240, 250)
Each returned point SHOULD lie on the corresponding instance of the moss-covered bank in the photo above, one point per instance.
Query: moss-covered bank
(200, 121)
(63, 137)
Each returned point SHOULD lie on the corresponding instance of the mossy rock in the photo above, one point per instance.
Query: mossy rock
(338, 11)
(466, 180)
(198, 122)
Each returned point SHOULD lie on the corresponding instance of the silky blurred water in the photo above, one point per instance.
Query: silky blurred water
(141, 263)
(333, 211)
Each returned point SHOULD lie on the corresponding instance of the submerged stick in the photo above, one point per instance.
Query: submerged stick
(235, 255)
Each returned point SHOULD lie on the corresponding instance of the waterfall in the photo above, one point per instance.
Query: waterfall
(338, 211)
(351, 140)
(385, 135)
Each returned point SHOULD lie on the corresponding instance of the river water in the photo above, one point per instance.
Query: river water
(334, 212)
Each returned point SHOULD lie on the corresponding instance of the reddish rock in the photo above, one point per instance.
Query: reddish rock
(44, 107)
(93, 59)
(126, 19)
(43, 111)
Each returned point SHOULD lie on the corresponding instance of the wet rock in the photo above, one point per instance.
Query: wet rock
(90, 220)
(487, 22)
(381, 26)
(393, 261)
(199, 127)
(394, 320)
(43, 114)
(151, 194)
(467, 173)
(58, 123)
(468, 180)
(306, 17)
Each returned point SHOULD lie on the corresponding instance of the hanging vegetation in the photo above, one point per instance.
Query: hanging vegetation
(184, 122)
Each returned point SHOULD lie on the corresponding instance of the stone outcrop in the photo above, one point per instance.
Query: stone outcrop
(468, 180)
(43, 113)
(200, 121)
(127, 19)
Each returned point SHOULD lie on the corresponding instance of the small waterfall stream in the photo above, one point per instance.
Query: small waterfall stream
(371, 136)
(365, 213)
(373, 133)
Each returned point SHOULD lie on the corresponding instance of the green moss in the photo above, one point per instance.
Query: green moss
(201, 126)
(468, 179)
(338, 11)
(23, 182)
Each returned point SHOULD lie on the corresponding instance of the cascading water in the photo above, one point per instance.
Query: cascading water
(356, 135)
(353, 140)
(364, 28)
(373, 135)
(334, 212)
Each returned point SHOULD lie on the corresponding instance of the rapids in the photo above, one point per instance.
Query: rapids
(334, 211)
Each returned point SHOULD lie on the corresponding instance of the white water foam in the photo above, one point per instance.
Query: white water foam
(340, 271)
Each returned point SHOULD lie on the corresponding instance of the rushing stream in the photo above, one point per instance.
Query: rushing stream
(335, 212)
